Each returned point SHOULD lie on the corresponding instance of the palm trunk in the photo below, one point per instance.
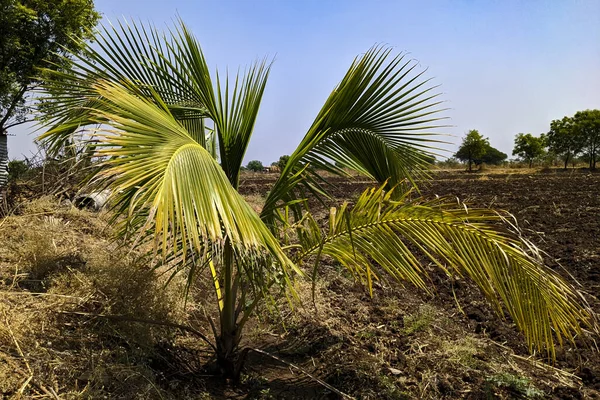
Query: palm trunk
(3, 164)
(229, 358)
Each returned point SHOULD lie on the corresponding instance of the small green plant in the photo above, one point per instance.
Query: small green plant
(519, 385)
(420, 320)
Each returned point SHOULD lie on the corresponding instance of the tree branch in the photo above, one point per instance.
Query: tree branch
(7, 127)
(14, 103)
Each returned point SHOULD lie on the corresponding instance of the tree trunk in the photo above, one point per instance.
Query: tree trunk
(229, 357)
(530, 163)
(566, 161)
(3, 164)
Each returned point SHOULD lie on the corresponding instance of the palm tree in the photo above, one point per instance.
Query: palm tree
(172, 138)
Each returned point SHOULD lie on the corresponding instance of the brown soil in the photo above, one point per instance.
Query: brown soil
(559, 211)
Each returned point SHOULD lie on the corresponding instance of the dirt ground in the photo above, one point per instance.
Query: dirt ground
(559, 211)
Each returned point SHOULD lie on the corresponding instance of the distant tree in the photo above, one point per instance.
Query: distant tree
(35, 34)
(472, 148)
(528, 147)
(450, 162)
(564, 139)
(17, 169)
(283, 160)
(587, 126)
(429, 158)
(255, 166)
(492, 156)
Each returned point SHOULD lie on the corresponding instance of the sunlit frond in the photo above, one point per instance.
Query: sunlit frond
(380, 120)
(125, 52)
(170, 68)
(378, 237)
(156, 169)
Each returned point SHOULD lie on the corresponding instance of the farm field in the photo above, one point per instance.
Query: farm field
(400, 344)
(558, 210)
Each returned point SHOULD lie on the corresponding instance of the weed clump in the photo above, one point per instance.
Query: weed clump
(518, 386)
(419, 321)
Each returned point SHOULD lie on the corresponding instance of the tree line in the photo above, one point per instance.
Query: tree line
(257, 165)
(569, 138)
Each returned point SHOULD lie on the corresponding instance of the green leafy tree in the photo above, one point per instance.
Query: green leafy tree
(255, 166)
(34, 34)
(528, 147)
(587, 126)
(473, 147)
(492, 156)
(170, 190)
(564, 139)
(282, 162)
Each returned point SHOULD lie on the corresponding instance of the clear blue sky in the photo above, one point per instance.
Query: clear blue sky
(505, 66)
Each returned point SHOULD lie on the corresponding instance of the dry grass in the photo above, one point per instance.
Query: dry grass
(256, 201)
(57, 260)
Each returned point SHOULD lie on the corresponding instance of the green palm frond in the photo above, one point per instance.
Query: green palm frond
(236, 115)
(127, 52)
(379, 121)
(156, 169)
(172, 69)
(378, 237)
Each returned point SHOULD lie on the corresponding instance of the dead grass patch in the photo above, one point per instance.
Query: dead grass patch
(52, 265)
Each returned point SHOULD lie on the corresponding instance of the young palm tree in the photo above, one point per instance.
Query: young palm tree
(173, 137)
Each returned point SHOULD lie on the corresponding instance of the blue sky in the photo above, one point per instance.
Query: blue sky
(504, 66)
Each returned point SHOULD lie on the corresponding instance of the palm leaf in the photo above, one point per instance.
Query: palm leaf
(157, 170)
(377, 238)
(379, 121)
(171, 69)
(128, 52)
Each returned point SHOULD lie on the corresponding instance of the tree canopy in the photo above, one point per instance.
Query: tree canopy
(492, 156)
(564, 140)
(282, 162)
(570, 137)
(36, 34)
(587, 127)
(528, 147)
(255, 166)
(473, 147)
